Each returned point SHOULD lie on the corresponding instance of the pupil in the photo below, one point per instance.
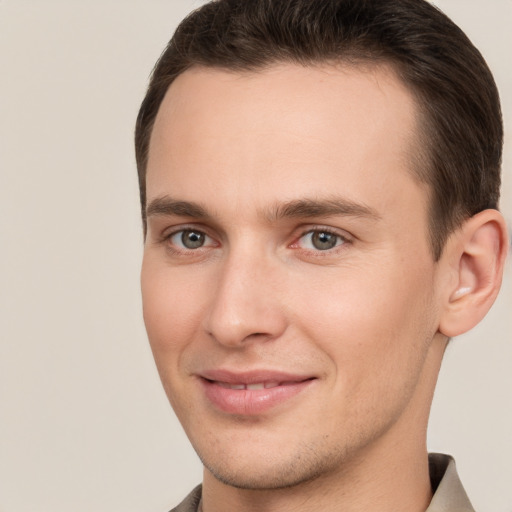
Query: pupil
(323, 241)
(192, 239)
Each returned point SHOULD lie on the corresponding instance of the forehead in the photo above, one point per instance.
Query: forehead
(283, 132)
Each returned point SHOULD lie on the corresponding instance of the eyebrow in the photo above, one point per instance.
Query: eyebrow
(168, 206)
(327, 207)
(298, 208)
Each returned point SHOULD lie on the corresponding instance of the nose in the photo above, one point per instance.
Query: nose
(245, 305)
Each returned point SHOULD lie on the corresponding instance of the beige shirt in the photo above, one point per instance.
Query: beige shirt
(449, 495)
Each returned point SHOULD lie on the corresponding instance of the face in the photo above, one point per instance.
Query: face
(288, 286)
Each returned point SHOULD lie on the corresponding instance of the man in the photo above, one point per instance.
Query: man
(319, 184)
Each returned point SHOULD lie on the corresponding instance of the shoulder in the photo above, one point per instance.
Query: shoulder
(191, 502)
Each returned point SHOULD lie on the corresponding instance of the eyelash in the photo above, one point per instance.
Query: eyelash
(341, 241)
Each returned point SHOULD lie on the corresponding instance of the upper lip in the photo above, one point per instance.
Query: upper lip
(252, 376)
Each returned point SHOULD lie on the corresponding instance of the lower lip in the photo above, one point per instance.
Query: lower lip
(249, 402)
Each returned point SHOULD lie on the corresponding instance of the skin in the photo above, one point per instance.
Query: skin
(363, 318)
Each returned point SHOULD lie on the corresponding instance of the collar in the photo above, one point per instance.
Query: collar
(448, 491)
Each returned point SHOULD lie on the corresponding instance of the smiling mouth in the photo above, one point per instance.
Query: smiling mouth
(254, 394)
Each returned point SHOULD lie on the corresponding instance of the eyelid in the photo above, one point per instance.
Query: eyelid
(169, 231)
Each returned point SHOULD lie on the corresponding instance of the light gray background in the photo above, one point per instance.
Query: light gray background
(84, 424)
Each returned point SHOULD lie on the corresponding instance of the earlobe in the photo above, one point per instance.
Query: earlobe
(477, 255)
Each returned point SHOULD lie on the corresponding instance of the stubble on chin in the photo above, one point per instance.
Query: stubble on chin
(270, 473)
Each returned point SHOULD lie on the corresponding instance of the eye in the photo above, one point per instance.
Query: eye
(320, 240)
(190, 239)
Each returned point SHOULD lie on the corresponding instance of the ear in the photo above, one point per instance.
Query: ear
(475, 257)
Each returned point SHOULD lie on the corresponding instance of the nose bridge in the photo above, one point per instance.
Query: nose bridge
(245, 305)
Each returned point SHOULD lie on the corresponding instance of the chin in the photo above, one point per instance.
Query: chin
(265, 481)
(267, 472)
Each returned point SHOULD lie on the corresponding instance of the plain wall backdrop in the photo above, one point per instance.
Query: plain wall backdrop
(84, 423)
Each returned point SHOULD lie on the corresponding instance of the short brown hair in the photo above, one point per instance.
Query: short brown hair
(461, 129)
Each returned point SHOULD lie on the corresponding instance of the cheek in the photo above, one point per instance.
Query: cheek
(373, 322)
(172, 316)
(375, 331)
(171, 310)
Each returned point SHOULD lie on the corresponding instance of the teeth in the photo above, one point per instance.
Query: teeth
(230, 386)
(255, 386)
(236, 386)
